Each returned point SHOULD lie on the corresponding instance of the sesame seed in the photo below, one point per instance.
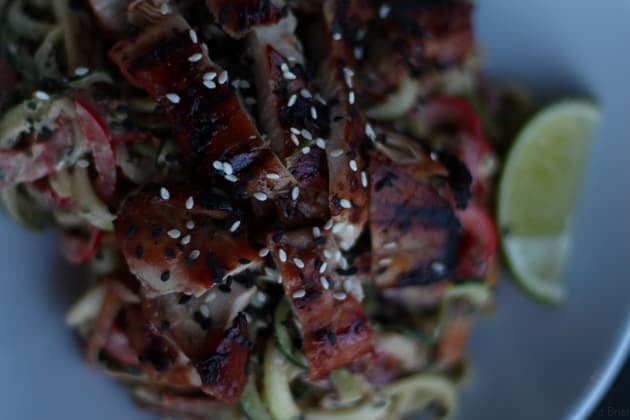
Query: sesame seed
(306, 150)
(358, 53)
(186, 240)
(298, 262)
(364, 179)
(284, 67)
(190, 225)
(235, 226)
(164, 193)
(329, 224)
(231, 178)
(369, 131)
(195, 57)
(295, 131)
(236, 83)
(250, 101)
(282, 255)
(340, 295)
(337, 228)
(385, 261)
(299, 294)
(321, 100)
(345, 203)
(164, 9)
(321, 143)
(295, 193)
(313, 113)
(165, 275)
(353, 165)
(263, 253)
(244, 84)
(347, 285)
(384, 10)
(260, 196)
(211, 75)
(324, 282)
(434, 156)
(193, 36)
(323, 267)
(292, 100)
(81, 71)
(195, 254)
(390, 245)
(273, 176)
(204, 48)
(223, 77)
(348, 72)
(83, 163)
(217, 165)
(209, 84)
(306, 134)
(305, 93)
(337, 36)
(174, 233)
(227, 168)
(316, 232)
(328, 254)
(336, 153)
(438, 267)
(351, 97)
(289, 75)
(173, 97)
(41, 95)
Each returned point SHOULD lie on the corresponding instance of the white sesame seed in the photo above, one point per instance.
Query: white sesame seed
(337, 36)
(218, 165)
(319, 99)
(298, 262)
(351, 97)
(195, 57)
(209, 84)
(190, 225)
(223, 77)
(245, 84)
(324, 282)
(353, 165)
(337, 228)
(313, 112)
(250, 101)
(292, 100)
(164, 193)
(438, 267)
(358, 53)
(306, 134)
(193, 36)
(81, 71)
(289, 75)
(390, 245)
(328, 254)
(345, 203)
(83, 163)
(173, 97)
(164, 9)
(231, 178)
(306, 150)
(316, 232)
(295, 140)
(260, 297)
(235, 226)
(295, 131)
(305, 93)
(174, 233)
(340, 295)
(263, 253)
(204, 48)
(194, 254)
(284, 67)
(295, 193)
(190, 203)
(211, 75)
(384, 10)
(364, 179)
(298, 294)
(336, 153)
(204, 310)
(348, 72)
(385, 261)
(323, 267)
(369, 131)
(186, 239)
(42, 96)
(347, 285)
(434, 156)
(328, 225)
(273, 176)
(260, 196)
(321, 143)
(227, 168)
(282, 255)
(236, 83)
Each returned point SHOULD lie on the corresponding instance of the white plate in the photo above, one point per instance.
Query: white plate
(529, 362)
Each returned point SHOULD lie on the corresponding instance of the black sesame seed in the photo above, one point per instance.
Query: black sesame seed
(131, 230)
(184, 299)
(45, 134)
(165, 275)
(277, 237)
(139, 252)
(157, 231)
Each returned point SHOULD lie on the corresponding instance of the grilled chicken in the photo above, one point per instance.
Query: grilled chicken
(207, 117)
(178, 239)
(238, 17)
(414, 229)
(295, 119)
(335, 327)
(350, 135)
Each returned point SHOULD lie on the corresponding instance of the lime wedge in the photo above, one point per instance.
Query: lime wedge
(538, 193)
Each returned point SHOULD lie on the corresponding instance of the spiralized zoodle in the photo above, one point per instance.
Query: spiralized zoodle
(282, 208)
